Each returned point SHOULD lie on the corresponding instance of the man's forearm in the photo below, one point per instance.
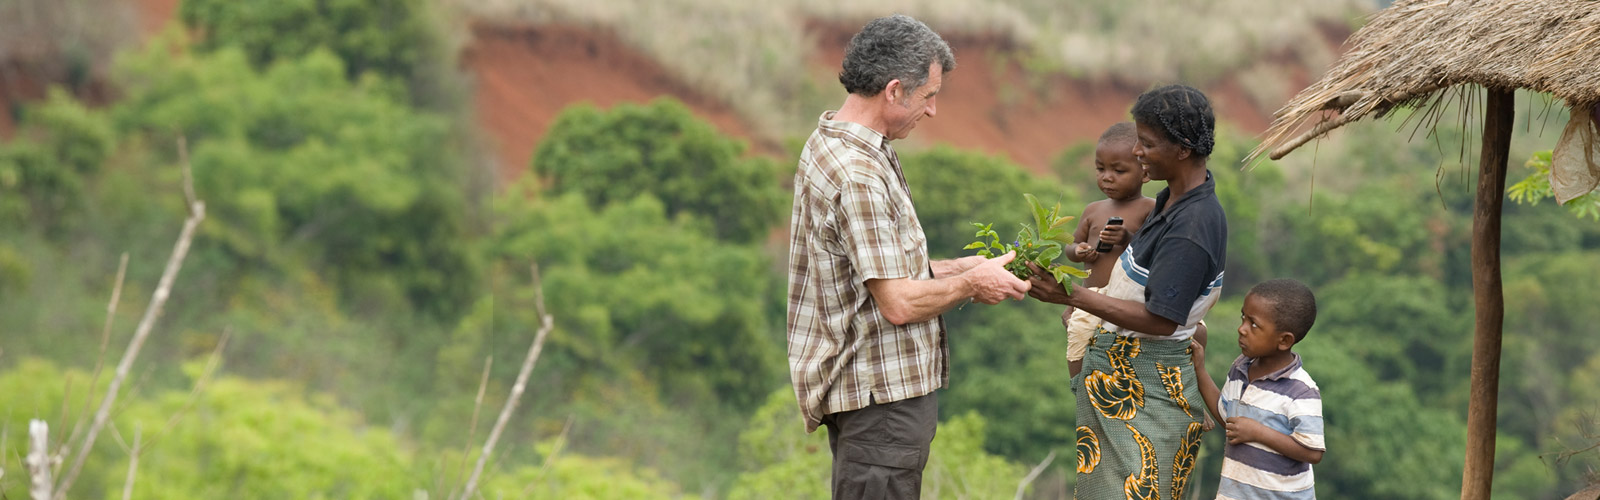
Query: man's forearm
(907, 300)
(951, 267)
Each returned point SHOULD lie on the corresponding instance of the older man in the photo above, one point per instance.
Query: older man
(866, 342)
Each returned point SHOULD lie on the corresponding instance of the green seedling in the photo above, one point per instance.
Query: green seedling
(1040, 243)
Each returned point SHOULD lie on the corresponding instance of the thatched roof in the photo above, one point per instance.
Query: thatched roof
(1415, 49)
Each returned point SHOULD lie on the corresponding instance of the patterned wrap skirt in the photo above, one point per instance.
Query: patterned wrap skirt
(1139, 418)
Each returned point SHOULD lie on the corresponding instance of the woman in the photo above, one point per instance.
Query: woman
(1139, 409)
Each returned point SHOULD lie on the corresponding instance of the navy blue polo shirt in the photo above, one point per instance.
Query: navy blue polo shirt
(1177, 259)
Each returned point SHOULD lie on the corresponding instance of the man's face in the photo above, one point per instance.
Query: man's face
(909, 105)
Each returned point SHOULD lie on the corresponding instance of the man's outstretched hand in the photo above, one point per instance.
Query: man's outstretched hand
(992, 283)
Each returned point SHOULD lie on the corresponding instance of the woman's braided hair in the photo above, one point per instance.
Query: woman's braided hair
(1183, 114)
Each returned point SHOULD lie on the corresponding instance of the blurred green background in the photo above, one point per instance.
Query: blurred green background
(381, 174)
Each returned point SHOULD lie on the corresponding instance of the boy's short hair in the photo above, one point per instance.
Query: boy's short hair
(1119, 133)
(1294, 307)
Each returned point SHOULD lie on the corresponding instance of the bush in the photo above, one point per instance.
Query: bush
(663, 150)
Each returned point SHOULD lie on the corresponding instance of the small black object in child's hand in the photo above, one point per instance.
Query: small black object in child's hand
(1106, 247)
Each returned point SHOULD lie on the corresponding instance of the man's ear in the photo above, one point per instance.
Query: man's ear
(892, 90)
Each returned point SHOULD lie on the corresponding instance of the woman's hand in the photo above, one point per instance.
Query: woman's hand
(1045, 287)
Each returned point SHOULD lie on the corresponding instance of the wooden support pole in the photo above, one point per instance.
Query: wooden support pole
(1478, 474)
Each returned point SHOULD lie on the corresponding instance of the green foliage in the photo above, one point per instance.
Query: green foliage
(958, 466)
(785, 462)
(646, 291)
(952, 188)
(1039, 243)
(43, 180)
(1404, 328)
(266, 438)
(271, 442)
(1250, 199)
(566, 475)
(1423, 446)
(662, 150)
(1008, 364)
(781, 459)
(1366, 231)
(1536, 187)
(293, 170)
(388, 37)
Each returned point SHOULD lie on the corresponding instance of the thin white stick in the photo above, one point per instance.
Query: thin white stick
(39, 458)
(1034, 474)
(197, 213)
(105, 339)
(546, 323)
(544, 469)
(477, 404)
(133, 465)
(212, 362)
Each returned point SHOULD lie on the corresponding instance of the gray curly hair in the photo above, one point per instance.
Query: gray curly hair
(889, 48)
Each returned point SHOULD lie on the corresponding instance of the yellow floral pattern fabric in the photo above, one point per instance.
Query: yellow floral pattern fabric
(1088, 450)
(1141, 485)
(1132, 443)
(1183, 463)
(1172, 380)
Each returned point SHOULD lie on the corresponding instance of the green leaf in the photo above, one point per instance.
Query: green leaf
(1073, 271)
(975, 244)
(1040, 216)
(1048, 255)
(1062, 222)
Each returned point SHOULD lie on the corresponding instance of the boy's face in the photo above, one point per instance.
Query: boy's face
(1119, 176)
(1259, 336)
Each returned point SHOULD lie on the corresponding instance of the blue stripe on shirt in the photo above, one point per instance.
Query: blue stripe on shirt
(1230, 489)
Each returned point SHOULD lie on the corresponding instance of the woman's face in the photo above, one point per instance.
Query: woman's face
(1159, 155)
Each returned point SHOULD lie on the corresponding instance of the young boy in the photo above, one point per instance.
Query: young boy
(1122, 179)
(1271, 409)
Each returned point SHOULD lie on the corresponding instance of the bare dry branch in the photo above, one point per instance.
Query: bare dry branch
(39, 458)
(477, 404)
(546, 323)
(105, 339)
(1034, 474)
(188, 177)
(133, 464)
(212, 362)
(544, 469)
(158, 300)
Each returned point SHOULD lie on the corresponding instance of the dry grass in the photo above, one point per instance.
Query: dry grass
(1411, 53)
(753, 54)
(77, 36)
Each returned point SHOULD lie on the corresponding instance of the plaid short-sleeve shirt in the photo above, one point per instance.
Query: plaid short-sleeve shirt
(853, 221)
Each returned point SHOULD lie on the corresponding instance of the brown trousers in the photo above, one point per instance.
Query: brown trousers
(879, 451)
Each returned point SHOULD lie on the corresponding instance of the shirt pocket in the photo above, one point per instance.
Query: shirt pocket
(913, 241)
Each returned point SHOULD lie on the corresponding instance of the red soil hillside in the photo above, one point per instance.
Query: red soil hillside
(527, 74)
